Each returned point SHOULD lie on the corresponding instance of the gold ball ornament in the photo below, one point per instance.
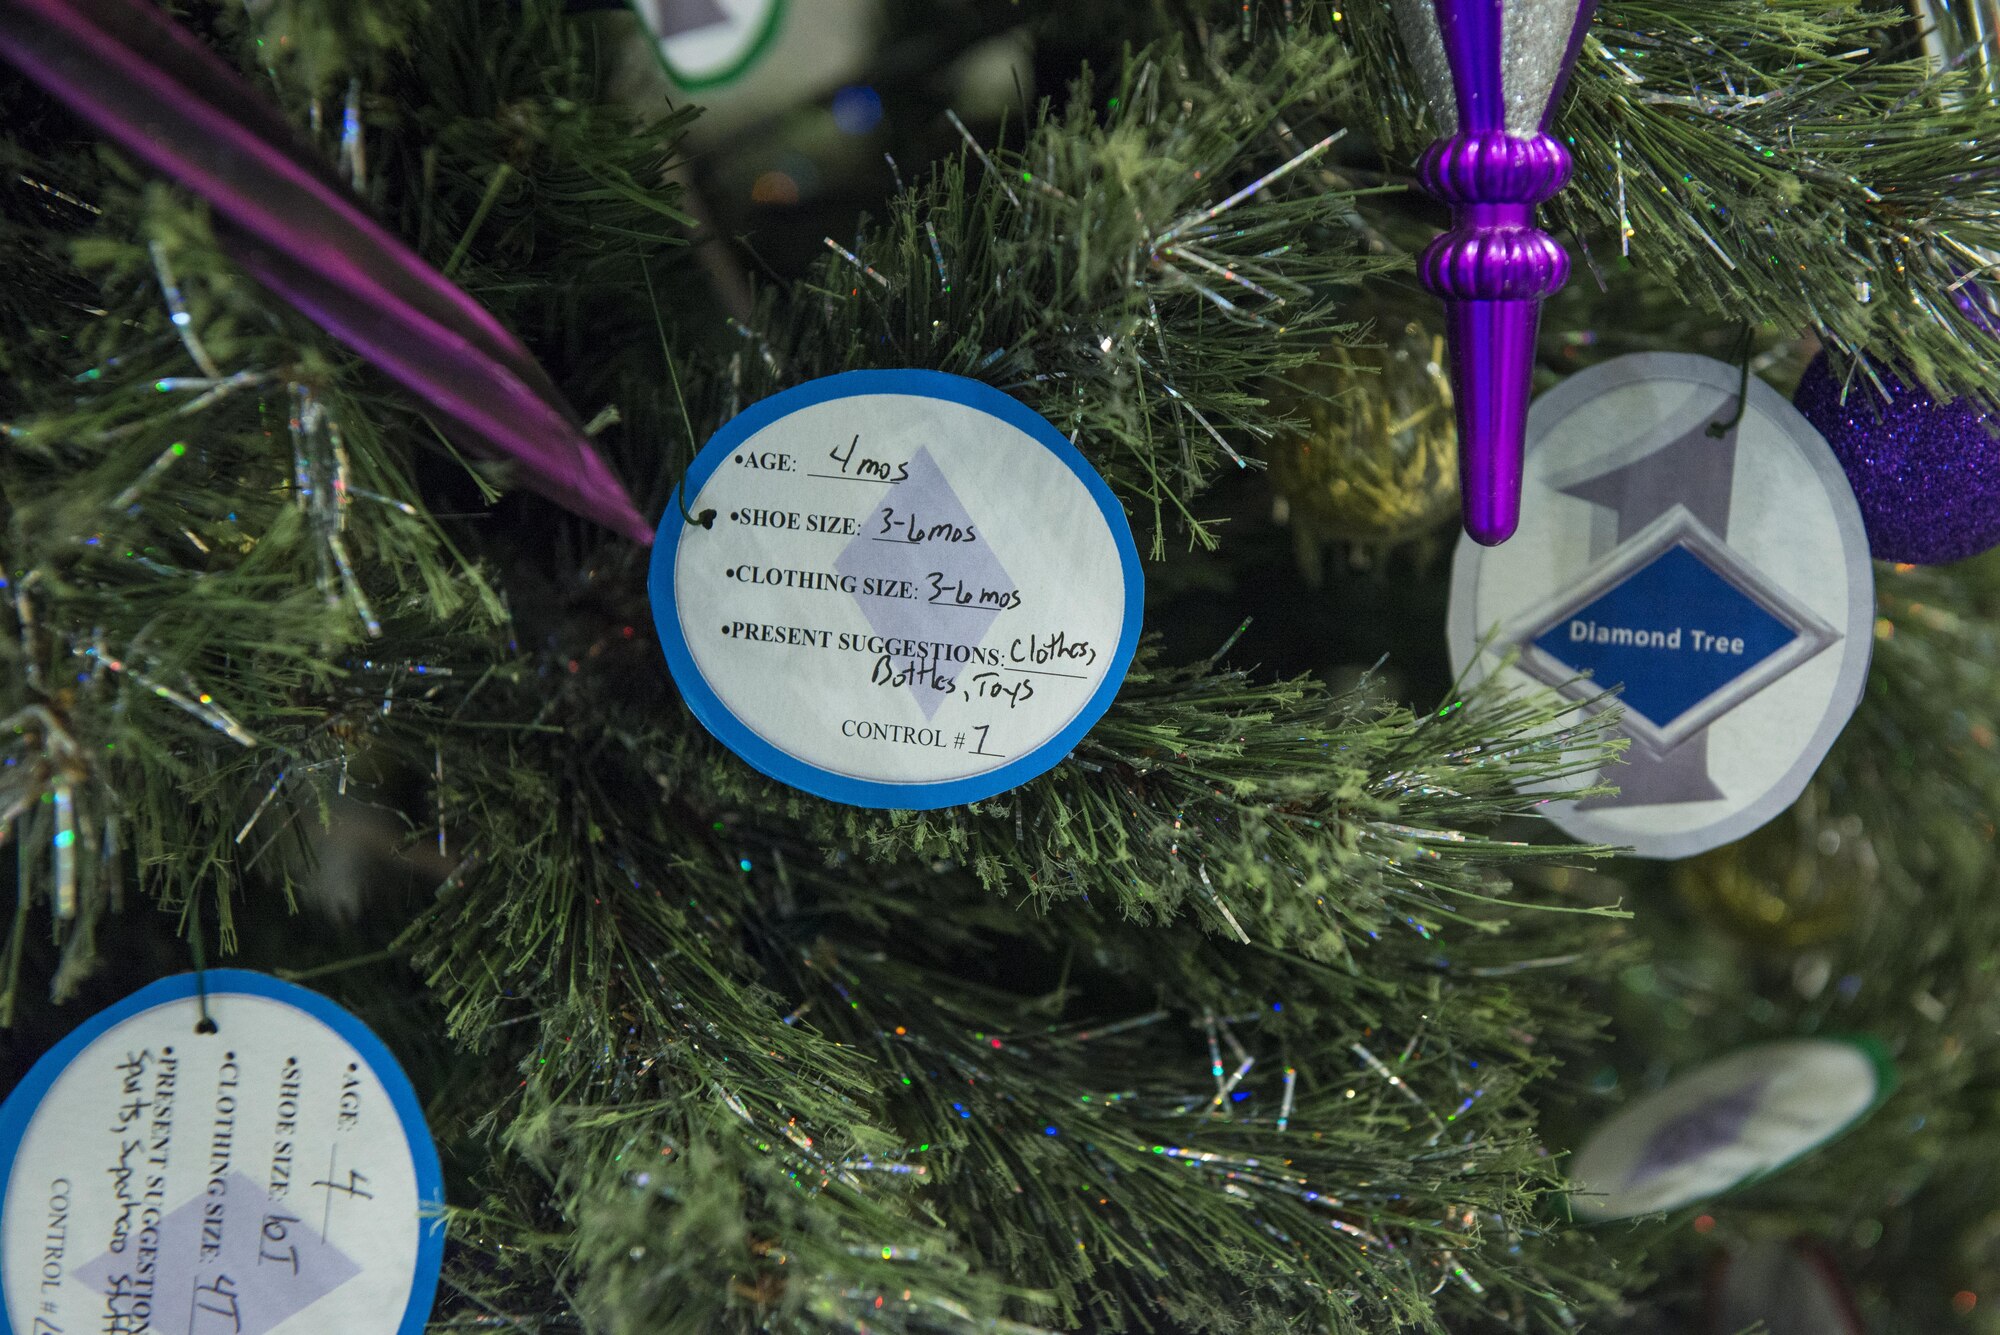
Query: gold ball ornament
(1801, 881)
(1377, 464)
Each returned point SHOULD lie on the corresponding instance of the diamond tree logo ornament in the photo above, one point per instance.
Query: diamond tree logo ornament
(1703, 558)
(314, 1266)
(1701, 1130)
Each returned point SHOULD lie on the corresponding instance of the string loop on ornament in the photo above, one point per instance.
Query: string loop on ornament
(206, 1024)
(706, 519)
(1746, 341)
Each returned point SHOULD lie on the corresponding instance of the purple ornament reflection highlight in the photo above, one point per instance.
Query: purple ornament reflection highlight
(1926, 474)
(150, 86)
(1492, 70)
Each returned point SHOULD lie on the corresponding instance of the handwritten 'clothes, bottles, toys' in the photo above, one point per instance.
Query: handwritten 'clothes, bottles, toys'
(1697, 550)
(1718, 1126)
(896, 589)
(266, 1174)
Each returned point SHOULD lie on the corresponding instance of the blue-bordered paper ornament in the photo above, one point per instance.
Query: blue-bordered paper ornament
(251, 1161)
(896, 589)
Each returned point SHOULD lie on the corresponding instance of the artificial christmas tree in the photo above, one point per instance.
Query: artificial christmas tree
(1271, 1004)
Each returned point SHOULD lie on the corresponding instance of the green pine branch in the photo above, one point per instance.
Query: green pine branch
(675, 989)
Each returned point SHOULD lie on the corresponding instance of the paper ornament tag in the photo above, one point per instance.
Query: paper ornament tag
(706, 43)
(902, 589)
(1731, 1121)
(1711, 565)
(273, 1177)
(1781, 1288)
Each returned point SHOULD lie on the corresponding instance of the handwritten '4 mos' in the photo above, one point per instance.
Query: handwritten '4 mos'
(882, 470)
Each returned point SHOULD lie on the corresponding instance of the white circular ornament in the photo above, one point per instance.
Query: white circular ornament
(909, 590)
(271, 1177)
(1729, 1122)
(705, 43)
(1711, 564)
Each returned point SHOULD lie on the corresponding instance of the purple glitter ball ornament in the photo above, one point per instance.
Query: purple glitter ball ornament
(1927, 474)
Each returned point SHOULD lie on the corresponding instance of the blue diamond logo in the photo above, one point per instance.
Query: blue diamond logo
(1673, 632)
(1680, 621)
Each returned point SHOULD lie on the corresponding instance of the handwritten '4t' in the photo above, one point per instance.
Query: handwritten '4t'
(217, 1307)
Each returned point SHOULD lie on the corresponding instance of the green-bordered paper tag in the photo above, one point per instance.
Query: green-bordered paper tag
(708, 43)
(1721, 1125)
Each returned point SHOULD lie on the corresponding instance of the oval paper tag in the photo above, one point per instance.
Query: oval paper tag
(273, 1177)
(1718, 1126)
(911, 591)
(1711, 565)
(708, 42)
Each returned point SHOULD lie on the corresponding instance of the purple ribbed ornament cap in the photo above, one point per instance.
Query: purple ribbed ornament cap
(1492, 70)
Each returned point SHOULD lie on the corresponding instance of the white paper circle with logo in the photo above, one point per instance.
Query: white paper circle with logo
(896, 589)
(272, 1177)
(708, 42)
(1711, 565)
(1736, 1119)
